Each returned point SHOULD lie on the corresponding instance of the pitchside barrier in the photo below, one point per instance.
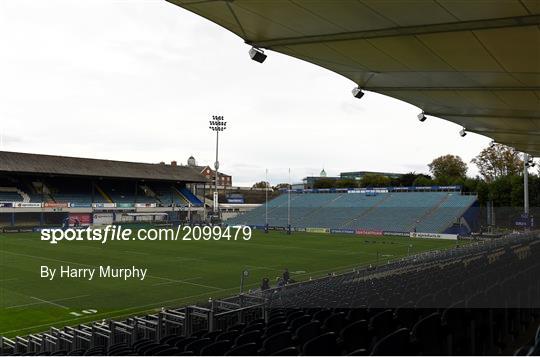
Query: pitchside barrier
(362, 232)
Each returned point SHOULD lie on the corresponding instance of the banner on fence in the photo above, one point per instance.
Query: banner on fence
(26, 205)
(55, 205)
(138, 205)
(433, 235)
(317, 230)
(342, 231)
(368, 232)
(103, 218)
(398, 234)
(80, 205)
(104, 205)
(84, 219)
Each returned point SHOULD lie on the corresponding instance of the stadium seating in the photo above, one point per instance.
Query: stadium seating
(167, 195)
(191, 197)
(430, 212)
(10, 196)
(435, 303)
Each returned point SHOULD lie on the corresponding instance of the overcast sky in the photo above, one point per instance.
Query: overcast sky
(138, 80)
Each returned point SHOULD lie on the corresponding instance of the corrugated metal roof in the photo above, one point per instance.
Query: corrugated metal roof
(17, 162)
(475, 63)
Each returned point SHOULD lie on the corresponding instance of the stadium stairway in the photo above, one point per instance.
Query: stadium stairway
(189, 196)
(103, 193)
(428, 213)
(353, 222)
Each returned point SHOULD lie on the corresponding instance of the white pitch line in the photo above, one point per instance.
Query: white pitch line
(186, 282)
(49, 302)
(256, 267)
(182, 281)
(133, 252)
(95, 266)
(41, 302)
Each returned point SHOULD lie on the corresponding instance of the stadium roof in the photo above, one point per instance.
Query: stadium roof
(475, 63)
(15, 162)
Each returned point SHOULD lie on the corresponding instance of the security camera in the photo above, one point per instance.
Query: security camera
(257, 55)
(421, 117)
(357, 92)
(463, 133)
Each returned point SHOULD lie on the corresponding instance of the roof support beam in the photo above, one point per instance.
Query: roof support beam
(505, 132)
(430, 89)
(513, 143)
(442, 115)
(529, 20)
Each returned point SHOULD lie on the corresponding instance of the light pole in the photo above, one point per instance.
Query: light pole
(289, 204)
(266, 204)
(217, 124)
(526, 184)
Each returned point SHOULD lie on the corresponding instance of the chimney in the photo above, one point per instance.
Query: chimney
(173, 163)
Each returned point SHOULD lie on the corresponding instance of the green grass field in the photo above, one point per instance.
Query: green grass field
(179, 272)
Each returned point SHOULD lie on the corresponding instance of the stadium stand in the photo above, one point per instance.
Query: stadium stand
(462, 305)
(190, 197)
(42, 190)
(392, 211)
(10, 194)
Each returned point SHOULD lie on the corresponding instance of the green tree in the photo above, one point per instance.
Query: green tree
(423, 180)
(498, 160)
(406, 179)
(261, 184)
(447, 169)
(346, 183)
(375, 181)
(324, 183)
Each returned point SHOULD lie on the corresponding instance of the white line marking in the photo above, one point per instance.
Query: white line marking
(133, 252)
(256, 267)
(49, 302)
(10, 279)
(95, 266)
(182, 281)
(43, 301)
(170, 281)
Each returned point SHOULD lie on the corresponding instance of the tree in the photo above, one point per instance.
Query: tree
(325, 183)
(410, 178)
(375, 181)
(498, 160)
(346, 183)
(448, 168)
(422, 180)
(261, 184)
(282, 186)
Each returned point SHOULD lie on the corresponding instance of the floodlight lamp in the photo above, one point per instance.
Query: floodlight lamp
(257, 55)
(357, 92)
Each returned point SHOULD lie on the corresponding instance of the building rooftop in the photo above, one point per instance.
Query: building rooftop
(16, 162)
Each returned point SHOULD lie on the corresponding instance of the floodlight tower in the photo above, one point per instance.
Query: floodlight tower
(217, 124)
(526, 165)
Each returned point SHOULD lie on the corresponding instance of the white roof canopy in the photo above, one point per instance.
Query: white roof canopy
(475, 63)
